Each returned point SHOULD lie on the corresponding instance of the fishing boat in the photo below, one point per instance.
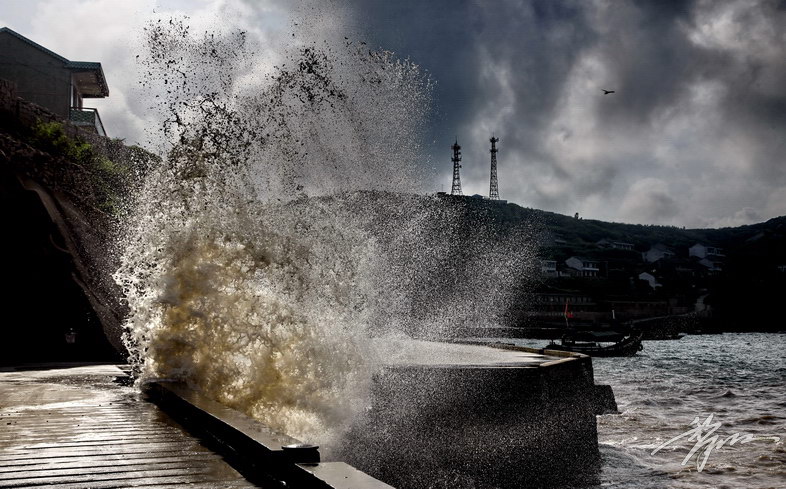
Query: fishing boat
(600, 344)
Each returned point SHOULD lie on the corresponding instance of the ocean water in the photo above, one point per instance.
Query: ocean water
(738, 379)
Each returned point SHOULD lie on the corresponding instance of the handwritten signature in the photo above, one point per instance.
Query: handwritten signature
(706, 440)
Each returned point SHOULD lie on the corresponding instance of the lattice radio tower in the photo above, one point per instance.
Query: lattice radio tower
(456, 189)
(494, 186)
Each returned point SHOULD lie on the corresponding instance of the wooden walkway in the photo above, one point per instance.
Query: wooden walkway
(76, 428)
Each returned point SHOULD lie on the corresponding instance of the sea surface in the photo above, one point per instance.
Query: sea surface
(670, 388)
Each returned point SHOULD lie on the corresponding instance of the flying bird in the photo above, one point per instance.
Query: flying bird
(606, 92)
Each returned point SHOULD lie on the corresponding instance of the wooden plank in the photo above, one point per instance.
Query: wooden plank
(93, 436)
(130, 474)
(137, 428)
(181, 481)
(76, 429)
(71, 422)
(108, 448)
(238, 484)
(188, 466)
(101, 443)
(60, 453)
(80, 443)
(168, 482)
(118, 461)
(102, 457)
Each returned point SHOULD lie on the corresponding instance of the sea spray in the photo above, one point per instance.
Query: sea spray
(280, 240)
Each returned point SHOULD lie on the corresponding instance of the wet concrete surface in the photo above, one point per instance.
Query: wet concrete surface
(460, 355)
(74, 426)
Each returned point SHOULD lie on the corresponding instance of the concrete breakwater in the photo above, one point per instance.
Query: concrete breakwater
(502, 417)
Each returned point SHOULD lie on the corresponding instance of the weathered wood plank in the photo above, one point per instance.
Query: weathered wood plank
(117, 461)
(161, 483)
(101, 457)
(187, 466)
(82, 453)
(130, 474)
(183, 481)
(102, 443)
(95, 434)
(131, 445)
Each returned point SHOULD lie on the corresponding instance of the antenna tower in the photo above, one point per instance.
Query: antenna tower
(494, 187)
(456, 189)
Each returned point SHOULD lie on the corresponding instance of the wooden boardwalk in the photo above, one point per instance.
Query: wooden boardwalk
(76, 428)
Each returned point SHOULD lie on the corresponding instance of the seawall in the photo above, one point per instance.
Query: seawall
(506, 417)
(526, 419)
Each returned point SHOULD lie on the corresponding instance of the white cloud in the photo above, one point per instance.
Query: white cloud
(776, 203)
(111, 33)
(649, 200)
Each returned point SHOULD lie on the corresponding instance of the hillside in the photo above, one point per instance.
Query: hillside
(62, 193)
(734, 285)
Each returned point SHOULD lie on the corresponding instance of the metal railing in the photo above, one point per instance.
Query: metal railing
(87, 117)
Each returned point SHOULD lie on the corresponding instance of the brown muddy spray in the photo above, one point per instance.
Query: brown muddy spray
(282, 240)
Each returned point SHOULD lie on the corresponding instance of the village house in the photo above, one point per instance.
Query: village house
(701, 251)
(712, 266)
(584, 267)
(615, 245)
(557, 304)
(656, 252)
(556, 240)
(52, 81)
(549, 268)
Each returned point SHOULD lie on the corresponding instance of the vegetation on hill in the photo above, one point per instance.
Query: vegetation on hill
(110, 178)
(741, 288)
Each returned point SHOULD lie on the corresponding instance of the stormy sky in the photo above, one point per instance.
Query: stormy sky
(694, 134)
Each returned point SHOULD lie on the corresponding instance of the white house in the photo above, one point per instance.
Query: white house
(616, 245)
(701, 251)
(584, 266)
(657, 252)
(549, 268)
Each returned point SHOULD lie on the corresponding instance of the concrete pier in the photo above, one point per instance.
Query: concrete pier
(73, 427)
(475, 416)
(441, 415)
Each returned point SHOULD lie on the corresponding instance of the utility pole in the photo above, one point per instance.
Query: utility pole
(494, 185)
(456, 189)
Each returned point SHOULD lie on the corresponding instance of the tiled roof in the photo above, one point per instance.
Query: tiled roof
(83, 65)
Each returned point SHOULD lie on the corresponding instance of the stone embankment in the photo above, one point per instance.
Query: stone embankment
(60, 218)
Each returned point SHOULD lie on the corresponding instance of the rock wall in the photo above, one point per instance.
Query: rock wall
(58, 241)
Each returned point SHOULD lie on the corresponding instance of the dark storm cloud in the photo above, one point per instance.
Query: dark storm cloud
(694, 134)
(470, 46)
(649, 59)
(696, 123)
